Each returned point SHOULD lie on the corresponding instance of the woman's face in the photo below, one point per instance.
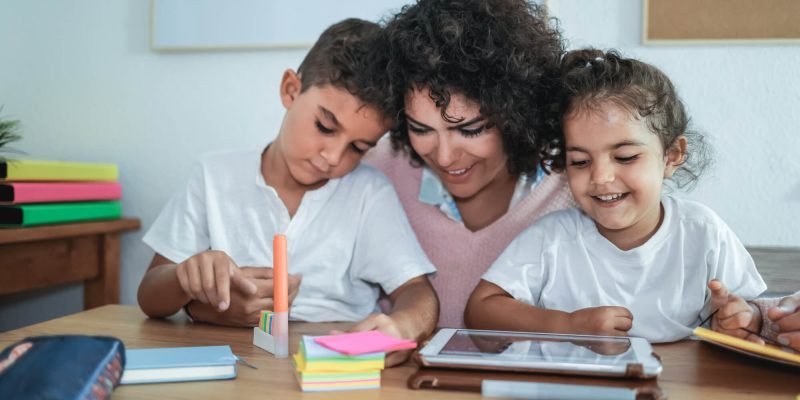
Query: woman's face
(465, 154)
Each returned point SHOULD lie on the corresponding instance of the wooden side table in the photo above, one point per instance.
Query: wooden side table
(45, 256)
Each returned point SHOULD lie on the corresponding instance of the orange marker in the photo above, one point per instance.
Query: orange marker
(280, 274)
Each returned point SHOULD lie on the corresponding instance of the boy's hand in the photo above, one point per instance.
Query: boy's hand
(787, 317)
(208, 276)
(734, 316)
(389, 326)
(607, 320)
(265, 274)
(245, 309)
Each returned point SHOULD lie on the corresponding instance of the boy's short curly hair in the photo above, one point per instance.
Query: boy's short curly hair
(591, 78)
(502, 54)
(350, 54)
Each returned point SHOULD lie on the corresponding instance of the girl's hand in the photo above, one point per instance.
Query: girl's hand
(208, 276)
(787, 318)
(607, 320)
(389, 326)
(734, 316)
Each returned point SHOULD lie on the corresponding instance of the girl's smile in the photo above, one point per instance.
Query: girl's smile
(616, 167)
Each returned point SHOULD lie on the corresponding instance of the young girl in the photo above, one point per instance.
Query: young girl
(631, 261)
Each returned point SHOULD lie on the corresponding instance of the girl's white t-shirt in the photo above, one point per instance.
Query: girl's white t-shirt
(562, 262)
(349, 239)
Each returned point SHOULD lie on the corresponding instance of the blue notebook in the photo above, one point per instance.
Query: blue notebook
(178, 364)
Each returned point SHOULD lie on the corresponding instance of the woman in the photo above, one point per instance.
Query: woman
(471, 80)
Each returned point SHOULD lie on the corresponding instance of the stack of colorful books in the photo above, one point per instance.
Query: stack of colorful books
(320, 369)
(52, 192)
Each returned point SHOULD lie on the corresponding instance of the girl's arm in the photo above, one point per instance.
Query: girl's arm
(491, 307)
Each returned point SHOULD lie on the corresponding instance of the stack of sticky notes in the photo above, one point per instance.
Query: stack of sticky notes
(266, 321)
(344, 362)
(34, 192)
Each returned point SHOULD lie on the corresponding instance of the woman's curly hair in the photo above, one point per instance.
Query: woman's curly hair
(591, 78)
(502, 54)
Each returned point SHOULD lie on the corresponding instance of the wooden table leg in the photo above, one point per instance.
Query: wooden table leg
(105, 288)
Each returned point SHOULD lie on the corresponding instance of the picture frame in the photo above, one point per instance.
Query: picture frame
(720, 21)
(209, 25)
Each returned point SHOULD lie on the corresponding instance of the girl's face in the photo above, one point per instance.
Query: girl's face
(615, 168)
(465, 155)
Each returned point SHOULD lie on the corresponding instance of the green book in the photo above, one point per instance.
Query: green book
(56, 213)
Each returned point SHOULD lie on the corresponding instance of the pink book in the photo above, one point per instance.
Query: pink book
(44, 192)
(356, 343)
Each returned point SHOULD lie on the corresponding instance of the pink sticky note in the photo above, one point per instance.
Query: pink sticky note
(353, 344)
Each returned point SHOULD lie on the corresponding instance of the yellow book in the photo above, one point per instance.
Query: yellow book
(765, 351)
(40, 170)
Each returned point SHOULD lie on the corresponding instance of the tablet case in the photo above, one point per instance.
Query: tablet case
(61, 367)
(470, 381)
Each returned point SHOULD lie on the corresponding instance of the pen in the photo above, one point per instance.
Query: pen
(553, 391)
(280, 268)
(280, 274)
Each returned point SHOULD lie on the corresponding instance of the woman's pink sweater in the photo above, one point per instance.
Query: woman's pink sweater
(460, 255)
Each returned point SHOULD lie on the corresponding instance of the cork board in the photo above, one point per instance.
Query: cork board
(703, 21)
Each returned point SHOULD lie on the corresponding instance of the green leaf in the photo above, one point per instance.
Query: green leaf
(9, 131)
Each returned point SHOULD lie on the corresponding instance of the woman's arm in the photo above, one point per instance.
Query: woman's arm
(781, 319)
(415, 310)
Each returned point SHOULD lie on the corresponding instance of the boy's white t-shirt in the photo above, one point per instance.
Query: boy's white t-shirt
(562, 262)
(349, 239)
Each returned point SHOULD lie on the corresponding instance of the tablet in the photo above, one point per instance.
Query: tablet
(541, 352)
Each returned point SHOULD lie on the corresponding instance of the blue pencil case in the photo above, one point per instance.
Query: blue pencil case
(61, 367)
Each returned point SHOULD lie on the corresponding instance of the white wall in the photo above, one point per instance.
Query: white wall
(82, 79)
(744, 97)
(80, 76)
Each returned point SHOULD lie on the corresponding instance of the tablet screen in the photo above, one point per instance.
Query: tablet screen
(539, 347)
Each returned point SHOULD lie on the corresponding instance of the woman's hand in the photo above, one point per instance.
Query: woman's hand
(787, 318)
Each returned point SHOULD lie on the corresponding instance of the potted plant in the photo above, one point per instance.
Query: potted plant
(9, 132)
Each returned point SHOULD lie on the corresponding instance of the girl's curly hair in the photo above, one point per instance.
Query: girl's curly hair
(591, 78)
(502, 54)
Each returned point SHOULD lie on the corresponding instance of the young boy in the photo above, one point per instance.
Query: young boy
(348, 235)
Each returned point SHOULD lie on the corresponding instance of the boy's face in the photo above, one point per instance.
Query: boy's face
(615, 168)
(325, 131)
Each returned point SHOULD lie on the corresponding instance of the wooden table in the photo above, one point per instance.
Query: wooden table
(692, 370)
(45, 256)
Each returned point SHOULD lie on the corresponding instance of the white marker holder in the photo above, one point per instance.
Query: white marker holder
(278, 342)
